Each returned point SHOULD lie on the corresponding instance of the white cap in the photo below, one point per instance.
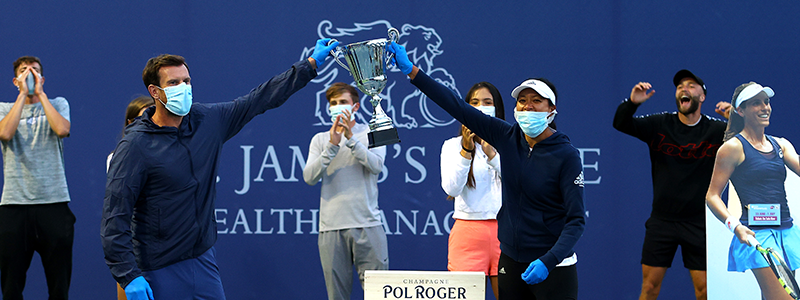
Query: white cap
(538, 86)
(751, 91)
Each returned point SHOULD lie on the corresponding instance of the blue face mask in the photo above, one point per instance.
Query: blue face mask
(31, 84)
(533, 123)
(337, 110)
(179, 99)
(487, 110)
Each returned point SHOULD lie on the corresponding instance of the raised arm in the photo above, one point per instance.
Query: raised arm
(489, 128)
(623, 118)
(268, 95)
(274, 92)
(10, 122)
(58, 122)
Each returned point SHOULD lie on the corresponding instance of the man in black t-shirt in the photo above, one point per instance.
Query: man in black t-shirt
(683, 146)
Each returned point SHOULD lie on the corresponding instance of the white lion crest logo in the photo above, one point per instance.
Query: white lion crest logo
(422, 44)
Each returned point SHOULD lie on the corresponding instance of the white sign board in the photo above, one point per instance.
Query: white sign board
(424, 285)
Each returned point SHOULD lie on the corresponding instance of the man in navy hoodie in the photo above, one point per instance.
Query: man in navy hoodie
(542, 216)
(158, 228)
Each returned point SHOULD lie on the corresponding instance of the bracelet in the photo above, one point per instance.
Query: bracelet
(731, 223)
(467, 150)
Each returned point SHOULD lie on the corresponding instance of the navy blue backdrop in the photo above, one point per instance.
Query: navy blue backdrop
(93, 53)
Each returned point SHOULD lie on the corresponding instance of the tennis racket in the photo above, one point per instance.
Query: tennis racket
(782, 271)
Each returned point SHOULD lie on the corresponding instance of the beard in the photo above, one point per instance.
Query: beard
(694, 104)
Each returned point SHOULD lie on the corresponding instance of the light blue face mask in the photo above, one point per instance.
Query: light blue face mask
(533, 123)
(487, 110)
(179, 99)
(31, 83)
(337, 110)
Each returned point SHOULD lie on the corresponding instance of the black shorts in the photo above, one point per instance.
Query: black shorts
(662, 238)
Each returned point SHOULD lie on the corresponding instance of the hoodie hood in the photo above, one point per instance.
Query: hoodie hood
(145, 124)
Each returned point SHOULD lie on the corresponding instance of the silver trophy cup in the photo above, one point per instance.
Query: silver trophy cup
(367, 64)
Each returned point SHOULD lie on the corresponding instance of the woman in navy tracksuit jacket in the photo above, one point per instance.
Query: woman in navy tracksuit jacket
(542, 216)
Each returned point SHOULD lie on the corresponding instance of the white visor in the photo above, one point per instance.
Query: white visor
(536, 85)
(751, 91)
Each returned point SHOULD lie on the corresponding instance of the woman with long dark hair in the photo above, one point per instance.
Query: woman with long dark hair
(136, 108)
(470, 170)
(756, 165)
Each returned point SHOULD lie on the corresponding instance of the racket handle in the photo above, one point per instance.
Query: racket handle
(752, 240)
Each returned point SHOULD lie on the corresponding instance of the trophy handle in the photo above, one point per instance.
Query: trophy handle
(335, 53)
(394, 36)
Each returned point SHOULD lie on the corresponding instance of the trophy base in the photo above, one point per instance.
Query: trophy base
(383, 137)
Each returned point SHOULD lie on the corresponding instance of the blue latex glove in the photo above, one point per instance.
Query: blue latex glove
(400, 58)
(321, 51)
(535, 273)
(139, 289)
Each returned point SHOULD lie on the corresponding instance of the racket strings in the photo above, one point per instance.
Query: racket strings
(786, 271)
(778, 263)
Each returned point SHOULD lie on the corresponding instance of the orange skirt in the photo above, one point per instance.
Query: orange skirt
(473, 246)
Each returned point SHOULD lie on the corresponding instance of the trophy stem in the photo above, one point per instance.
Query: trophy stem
(381, 132)
(380, 120)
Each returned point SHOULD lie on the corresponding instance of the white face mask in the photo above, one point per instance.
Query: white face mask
(487, 110)
(337, 110)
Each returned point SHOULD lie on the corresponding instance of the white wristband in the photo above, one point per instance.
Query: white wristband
(731, 223)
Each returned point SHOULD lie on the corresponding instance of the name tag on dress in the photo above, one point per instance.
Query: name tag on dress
(764, 214)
